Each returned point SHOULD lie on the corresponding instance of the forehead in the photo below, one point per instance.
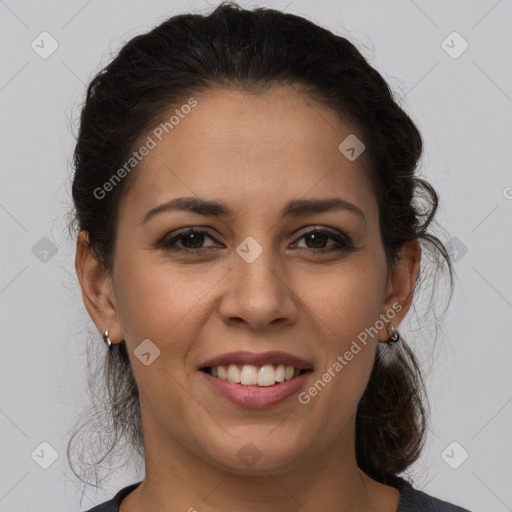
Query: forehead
(251, 149)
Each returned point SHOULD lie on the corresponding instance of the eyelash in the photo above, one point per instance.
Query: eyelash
(342, 240)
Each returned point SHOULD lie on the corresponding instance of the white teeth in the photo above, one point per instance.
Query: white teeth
(266, 375)
(222, 373)
(233, 373)
(250, 375)
(280, 373)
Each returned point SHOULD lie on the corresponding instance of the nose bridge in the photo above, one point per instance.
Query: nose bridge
(256, 264)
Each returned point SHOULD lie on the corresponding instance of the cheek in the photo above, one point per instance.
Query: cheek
(163, 304)
(167, 304)
(155, 296)
(343, 306)
(346, 300)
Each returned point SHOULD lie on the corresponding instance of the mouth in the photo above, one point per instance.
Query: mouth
(255, 376)
(250, 386)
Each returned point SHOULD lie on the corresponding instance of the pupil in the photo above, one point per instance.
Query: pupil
(190, 238)
(316, 239)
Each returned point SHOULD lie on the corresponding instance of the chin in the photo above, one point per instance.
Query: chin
(257, 455)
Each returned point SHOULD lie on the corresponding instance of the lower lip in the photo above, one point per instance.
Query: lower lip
(257, 396)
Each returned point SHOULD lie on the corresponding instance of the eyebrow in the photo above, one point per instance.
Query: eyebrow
(295, 207)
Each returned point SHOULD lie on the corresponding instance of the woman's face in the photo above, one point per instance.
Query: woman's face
(255, 283)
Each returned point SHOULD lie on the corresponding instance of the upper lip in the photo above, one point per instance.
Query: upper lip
(242, 357)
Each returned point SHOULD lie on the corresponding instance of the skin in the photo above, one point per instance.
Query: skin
(253, 153)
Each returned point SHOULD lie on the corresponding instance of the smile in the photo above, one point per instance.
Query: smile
(252, 386)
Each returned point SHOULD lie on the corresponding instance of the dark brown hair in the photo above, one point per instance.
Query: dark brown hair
(253, 50)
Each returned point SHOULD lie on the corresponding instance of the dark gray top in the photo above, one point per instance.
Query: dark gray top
(411, 500)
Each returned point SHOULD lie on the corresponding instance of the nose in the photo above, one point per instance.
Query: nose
(258, 294)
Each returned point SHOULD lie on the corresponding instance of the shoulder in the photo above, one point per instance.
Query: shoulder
(113, 504)
(414, 500)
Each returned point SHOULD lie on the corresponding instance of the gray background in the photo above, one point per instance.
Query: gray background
(463, 108)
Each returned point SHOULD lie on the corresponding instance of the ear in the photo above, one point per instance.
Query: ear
(97, 290)
(400, 286)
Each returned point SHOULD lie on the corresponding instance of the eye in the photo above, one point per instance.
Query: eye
(319, 238)
(191, 241)
(191, 238)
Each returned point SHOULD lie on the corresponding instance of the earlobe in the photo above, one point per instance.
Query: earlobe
(400, 286)
(97, 290)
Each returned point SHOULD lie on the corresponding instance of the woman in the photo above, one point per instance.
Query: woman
(250, 231)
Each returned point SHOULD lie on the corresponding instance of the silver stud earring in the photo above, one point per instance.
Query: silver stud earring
(394, 336)
(106, 339)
